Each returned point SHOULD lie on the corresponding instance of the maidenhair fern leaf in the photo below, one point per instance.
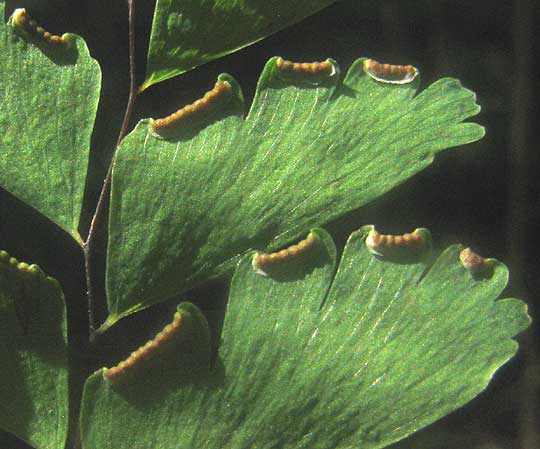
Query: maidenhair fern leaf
(194, 191)
(33, 355)
(48, 101)
(311, 358)
(188, 33)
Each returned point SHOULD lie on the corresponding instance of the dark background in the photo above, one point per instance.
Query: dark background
(484, 195)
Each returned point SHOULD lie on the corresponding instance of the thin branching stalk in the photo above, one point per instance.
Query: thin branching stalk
(97, 218)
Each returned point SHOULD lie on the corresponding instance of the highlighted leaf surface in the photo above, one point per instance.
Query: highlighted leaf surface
(33, 354)
(310, 358)
(184, 209)
(48, 102)
(188, 33)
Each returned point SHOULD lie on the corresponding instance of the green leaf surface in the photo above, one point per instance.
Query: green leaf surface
(188, 33)
(33, 351)
(185, 207)
(311, 358)
(48, 101)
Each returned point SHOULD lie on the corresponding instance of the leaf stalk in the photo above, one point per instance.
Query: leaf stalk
(88, 245)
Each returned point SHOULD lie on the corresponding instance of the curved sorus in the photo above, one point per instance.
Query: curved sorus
(388, 73)
(322, 69)
(20, 267)
(262, 261)
(146, 351)
(199, 106)
(474, 262)
(21, 19)
(384, 244)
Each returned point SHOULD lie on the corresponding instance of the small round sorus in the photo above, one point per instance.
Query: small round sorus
(122, 365)
(21, 19)
(164, 125)
(474, 262)
(161, 338)
(145, 352)
(23, 267)
(388, 73)
(36, 270)
(311, 71)
(4, 257)
(395, 245)
(149, 345)
(262, 261)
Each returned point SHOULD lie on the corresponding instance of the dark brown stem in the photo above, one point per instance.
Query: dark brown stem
(100, 207)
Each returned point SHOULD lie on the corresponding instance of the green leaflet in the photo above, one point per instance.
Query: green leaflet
(33, 351)
(185, 207)
(48, 101)
(188, 33)
(310, 358)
